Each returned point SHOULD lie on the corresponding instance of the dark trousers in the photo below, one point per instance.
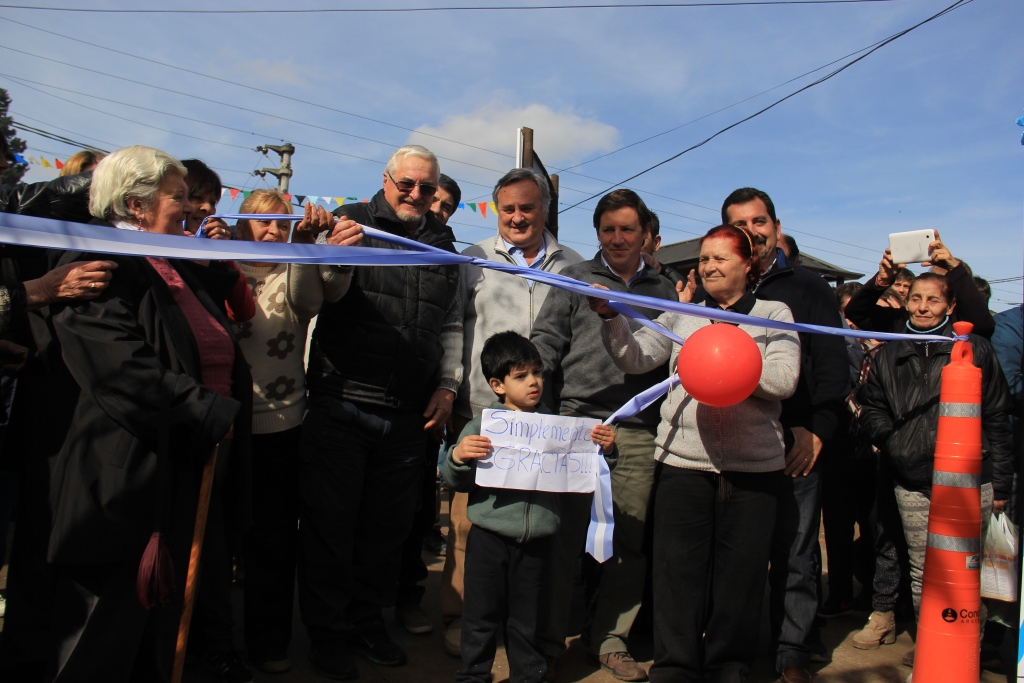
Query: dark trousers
(30, 578)
(847, 499)
(413, 569)
(357, 487)
(271, 544)
(102, 633)
(795, 569)
(502, 586)
(712, 535)
(892, 579)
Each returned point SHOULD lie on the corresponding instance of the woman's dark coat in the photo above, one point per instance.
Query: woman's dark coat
(143, 424)
(900, 410)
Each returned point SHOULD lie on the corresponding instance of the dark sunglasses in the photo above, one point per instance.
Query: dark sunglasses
(426, 189)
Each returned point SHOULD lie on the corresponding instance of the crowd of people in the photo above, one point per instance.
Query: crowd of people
(320, 402)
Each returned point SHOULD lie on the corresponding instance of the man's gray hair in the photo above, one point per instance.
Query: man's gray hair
(417, 151)
(130, 173)
(518, 175)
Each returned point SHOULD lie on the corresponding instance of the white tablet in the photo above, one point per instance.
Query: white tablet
(910, 247)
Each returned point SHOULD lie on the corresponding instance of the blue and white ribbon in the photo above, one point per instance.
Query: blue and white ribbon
(52, 234)
(602, 516)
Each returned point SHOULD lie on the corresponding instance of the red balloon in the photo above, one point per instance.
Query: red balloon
(720, 365)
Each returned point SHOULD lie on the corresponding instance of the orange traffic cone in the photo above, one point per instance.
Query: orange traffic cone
(949, 626)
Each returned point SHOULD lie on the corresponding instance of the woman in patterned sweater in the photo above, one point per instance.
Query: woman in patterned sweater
(274, 342)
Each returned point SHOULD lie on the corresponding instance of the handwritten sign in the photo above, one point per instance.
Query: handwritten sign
(538, 452)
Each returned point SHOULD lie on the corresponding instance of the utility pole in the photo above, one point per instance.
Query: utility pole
(526, 157)
(282, 172)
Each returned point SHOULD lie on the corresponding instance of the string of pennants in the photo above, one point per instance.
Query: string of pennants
(300, 199)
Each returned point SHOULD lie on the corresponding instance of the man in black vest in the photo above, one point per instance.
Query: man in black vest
(809, 419)
(379, 378)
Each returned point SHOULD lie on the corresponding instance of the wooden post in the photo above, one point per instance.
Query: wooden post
(527, 160)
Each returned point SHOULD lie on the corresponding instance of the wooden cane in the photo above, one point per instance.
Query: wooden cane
(202, 511)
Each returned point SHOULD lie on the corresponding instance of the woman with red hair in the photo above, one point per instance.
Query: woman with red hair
(720, 476)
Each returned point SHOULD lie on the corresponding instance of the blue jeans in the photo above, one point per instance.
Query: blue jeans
(795, 567)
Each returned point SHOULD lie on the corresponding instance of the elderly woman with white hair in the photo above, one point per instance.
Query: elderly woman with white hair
(161, 381)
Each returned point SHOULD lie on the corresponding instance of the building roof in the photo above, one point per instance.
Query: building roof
(683, 256)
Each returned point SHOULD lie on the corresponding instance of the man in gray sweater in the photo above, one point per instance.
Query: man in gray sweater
(496, 302)
(584, 381)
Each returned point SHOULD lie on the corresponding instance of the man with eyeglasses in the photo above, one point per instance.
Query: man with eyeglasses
(384, 367)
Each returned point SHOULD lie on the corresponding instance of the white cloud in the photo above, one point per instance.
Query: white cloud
(560, 137)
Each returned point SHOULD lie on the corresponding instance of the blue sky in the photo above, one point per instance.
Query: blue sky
(920, 134)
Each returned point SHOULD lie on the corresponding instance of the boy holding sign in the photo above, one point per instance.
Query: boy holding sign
(507, 546)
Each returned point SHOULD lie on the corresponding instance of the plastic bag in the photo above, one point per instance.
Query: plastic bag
(999, 565)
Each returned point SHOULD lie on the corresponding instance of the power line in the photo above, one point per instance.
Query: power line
(396, 10)
(79, 104)
(568, 169)
(123, 118)
(955, 5)
(565, 187)
(234, 106)
(661, 211)
(562, 170)
(250, 87)
(413, 130)
(56, 138)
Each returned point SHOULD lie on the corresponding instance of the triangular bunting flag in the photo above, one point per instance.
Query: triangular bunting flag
(287, 197)
(339, 200)
(300, 198)
(493, 208)
(58, 162)
(46, 164)
(462, 205)
(483, 208)
(313, 199)
(472, 207)
(327, 200)
(246, 193)
(18, 159)
(234, 193)
(33, 160)
(224, 191)
(352, 199)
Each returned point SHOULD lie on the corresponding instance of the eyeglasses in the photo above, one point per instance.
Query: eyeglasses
(426, 189)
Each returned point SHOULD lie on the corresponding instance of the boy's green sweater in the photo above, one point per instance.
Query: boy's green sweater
(520, 515)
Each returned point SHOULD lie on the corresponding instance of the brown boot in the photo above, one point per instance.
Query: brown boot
(880, 630)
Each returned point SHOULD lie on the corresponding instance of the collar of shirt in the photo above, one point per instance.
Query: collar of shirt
(744, 305)
(123, 225)
(780, 261)
(639, 268)
(520, 258)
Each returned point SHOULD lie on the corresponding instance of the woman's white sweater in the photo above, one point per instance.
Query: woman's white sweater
(746, 437)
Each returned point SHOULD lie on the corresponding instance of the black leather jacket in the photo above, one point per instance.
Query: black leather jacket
(65, 198)
(900, 410)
